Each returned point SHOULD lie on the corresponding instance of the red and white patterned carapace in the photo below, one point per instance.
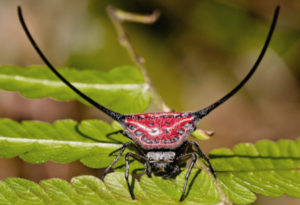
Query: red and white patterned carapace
(160, 130)
(160, 138)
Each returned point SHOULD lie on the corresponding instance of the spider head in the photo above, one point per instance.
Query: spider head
(161, 162)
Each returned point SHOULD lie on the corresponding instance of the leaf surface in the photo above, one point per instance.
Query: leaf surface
(91, 190)
(267, 168)
(64, 141)
(121, 89)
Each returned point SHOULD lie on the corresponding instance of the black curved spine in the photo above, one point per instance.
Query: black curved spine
(116, 116)
(203, 112)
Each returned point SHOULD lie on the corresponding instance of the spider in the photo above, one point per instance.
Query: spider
(159, 139)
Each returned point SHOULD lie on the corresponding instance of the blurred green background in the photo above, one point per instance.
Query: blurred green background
(196, 52)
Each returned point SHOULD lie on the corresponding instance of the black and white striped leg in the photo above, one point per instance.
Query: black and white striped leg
(136, 157)
(148, 169)
(202, 155)
(183, 159)
(122, 149)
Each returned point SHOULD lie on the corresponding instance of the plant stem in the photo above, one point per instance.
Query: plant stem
(119, 16)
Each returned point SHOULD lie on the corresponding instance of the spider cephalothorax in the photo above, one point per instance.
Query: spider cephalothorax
(160, 139)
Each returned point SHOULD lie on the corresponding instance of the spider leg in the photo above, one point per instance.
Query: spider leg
(202, 155)
(115, 133)
(136, 148)
(122, 149)
(136, 157)
(182, 159)
(148, 169)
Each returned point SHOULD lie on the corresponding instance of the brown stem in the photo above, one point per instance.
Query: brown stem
(118, 17)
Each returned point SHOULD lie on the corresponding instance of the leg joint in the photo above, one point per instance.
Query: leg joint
(194, 156)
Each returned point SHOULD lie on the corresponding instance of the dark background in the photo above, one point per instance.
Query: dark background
(196, 52)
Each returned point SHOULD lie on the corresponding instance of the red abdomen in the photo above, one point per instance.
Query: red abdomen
(166, 130)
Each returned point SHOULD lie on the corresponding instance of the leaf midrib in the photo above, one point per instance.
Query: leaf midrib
(143, 86)
(257, 170)
(51, 141)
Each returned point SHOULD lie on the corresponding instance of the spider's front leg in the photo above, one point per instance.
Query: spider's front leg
(117, 132)
(141, 159)
(122, 132)
(122, 149)
(148, 169)
(193, 151)
(202, 155)
(182, 159)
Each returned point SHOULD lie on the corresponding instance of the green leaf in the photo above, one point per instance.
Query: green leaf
(7, 195)
(201, 134)
(64, 141)
(122, 89)
(27, 192)
(267, 168)
(91, 190)
(155, 190)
